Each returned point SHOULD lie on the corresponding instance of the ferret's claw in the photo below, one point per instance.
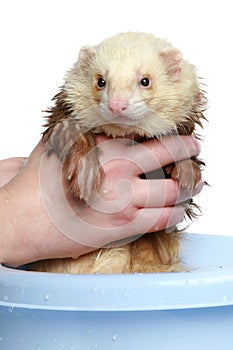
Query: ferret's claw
(188, 175)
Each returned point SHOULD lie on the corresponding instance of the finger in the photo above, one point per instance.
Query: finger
(101, 138)
(154, 154)
(156, 193)
(15, 163)
(9, 168)
(161, 193)
(163, 218)
(147, 220)
(168, 217)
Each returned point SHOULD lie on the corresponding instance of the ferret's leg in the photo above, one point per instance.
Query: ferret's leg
(156, 252)
(77, 150)
(82, 167)
(187, 172)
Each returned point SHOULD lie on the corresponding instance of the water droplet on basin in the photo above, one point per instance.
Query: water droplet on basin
(11, 309)
(46, 297)
(114, 337)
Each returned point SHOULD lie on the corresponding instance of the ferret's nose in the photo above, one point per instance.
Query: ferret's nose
(118, 106)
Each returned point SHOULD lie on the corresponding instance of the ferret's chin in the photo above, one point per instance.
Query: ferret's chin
(122, 121)
(127, 131)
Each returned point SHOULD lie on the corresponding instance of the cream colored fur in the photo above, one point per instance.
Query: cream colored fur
(123, 60)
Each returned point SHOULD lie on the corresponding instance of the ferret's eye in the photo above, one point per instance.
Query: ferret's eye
(101, 83)
(145, 82)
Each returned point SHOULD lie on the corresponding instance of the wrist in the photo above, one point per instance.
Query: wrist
(7, 229)
(27, 234)
(17, 244)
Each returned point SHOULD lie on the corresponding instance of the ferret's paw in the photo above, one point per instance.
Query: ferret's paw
(188, 175)
(85, 175)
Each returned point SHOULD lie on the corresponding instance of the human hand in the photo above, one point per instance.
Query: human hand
(9, 168)
(35, 216)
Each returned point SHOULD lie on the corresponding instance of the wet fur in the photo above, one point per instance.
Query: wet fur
(173, 104)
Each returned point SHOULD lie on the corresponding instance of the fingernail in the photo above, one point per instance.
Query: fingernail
(177, 216)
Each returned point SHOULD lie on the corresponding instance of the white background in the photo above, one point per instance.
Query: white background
(40, 40)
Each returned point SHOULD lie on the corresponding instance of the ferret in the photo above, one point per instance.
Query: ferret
(130, 84)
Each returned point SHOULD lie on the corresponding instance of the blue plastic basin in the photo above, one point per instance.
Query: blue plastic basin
(179, 311)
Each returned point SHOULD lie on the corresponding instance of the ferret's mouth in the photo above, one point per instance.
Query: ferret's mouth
(134, 137)
(124, 122)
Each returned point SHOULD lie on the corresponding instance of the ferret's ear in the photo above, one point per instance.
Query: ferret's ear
(86, 56)
(172, 59)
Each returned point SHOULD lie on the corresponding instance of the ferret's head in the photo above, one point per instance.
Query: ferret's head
(133, 83)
